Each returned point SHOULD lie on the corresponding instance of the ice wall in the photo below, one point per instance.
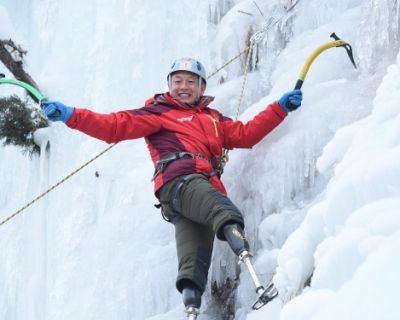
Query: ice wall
(96, 247)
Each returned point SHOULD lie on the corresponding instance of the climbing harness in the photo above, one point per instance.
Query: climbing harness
(164, 162)
(174, 202)
(257, 36)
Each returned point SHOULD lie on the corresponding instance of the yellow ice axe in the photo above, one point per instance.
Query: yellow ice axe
(337, 43)
(303, 73)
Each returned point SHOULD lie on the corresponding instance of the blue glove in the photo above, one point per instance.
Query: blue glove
(291, 100)
(56, 111)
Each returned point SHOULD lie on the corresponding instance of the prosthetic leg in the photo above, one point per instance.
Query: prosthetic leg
(235, 236)
(192, 300)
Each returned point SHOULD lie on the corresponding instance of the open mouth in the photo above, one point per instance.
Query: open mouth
(184, 95)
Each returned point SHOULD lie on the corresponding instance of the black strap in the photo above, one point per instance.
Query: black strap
(164, 162)
(217, 166)
(159, 206)
(175, 199)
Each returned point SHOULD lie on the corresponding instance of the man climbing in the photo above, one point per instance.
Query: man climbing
(186, 139)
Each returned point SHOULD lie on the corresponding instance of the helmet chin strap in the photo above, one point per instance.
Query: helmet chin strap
(199, 91)
(196, 102)
(169, 82)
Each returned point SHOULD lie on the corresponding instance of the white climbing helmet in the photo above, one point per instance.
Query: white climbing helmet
(190, 65)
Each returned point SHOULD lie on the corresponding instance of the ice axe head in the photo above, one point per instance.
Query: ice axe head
(347, 47)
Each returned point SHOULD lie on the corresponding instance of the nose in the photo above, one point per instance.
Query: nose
(184, 85)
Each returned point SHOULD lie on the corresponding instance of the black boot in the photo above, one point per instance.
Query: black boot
(234, 234)
(191, 296)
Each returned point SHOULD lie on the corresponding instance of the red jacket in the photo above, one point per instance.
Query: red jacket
(170, 126)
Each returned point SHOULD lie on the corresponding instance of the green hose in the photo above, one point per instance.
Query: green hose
(32, 90)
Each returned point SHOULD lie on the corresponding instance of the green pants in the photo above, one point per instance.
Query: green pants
(198, 212)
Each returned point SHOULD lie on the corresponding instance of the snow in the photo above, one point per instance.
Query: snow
(7, 29)
(320, 194)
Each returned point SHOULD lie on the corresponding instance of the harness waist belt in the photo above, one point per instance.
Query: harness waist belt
(164, 162)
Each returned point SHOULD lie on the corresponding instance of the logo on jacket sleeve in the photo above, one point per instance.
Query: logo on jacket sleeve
(183, 119)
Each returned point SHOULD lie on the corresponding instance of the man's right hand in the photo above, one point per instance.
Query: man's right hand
(56, 111)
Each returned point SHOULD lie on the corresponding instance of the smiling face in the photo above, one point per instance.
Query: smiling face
(184, 86)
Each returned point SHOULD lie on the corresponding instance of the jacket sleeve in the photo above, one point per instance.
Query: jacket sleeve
(116, 126)
(239, 135)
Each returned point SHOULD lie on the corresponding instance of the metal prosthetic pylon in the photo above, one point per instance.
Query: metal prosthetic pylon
(264, 295)
(192, 312)
(234, 234)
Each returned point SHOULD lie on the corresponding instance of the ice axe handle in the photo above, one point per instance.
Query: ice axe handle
(298, 86)
(56, 114)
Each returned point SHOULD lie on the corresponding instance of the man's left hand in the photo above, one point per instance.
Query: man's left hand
(291, 100)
